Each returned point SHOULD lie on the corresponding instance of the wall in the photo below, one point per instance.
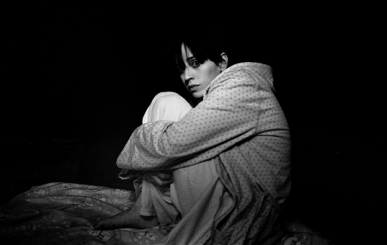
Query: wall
(94, 77)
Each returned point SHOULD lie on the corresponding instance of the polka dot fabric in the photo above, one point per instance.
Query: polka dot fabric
(241, 125)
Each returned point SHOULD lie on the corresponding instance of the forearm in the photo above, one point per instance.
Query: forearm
(202, 134)
(230, 114)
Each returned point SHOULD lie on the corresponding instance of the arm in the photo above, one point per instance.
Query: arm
(229, 115)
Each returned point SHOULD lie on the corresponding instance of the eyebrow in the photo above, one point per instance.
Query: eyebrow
(191, 58)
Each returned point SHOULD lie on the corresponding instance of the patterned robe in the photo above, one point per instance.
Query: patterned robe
(241, 130)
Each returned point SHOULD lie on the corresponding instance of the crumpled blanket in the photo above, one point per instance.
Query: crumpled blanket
(63, 213)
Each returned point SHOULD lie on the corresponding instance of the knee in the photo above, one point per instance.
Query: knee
(168, 98)
(168, 106)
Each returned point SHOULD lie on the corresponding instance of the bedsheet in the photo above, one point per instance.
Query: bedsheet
(63, 213)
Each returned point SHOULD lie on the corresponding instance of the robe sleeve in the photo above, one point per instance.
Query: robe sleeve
(229, 115)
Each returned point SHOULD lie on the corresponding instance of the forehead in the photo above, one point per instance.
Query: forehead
(183, 53)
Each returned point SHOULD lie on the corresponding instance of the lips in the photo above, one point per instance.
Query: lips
(192, 87)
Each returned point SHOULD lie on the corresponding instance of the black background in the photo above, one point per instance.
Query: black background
(92, 73)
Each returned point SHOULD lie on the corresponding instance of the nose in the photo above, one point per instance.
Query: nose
(187, 75)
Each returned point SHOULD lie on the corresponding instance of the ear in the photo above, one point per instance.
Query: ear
(223, 64)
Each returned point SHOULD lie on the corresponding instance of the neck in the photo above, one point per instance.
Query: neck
(194, 101)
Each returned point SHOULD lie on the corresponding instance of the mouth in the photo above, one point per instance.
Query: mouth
(191, 88)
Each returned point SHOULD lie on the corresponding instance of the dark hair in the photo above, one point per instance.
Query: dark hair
(203, 47)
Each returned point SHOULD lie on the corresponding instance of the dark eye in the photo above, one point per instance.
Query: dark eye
(194, 63)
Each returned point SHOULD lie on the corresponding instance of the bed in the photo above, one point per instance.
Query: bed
(63, 213)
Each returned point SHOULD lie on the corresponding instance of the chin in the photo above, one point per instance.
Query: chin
(198, 95)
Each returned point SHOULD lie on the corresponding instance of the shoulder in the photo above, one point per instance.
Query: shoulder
(249, 72)
(244, 72)
(242, 76)
(248, 69)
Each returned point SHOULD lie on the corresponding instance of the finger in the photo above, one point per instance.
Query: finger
(161, 182)
(164, 176)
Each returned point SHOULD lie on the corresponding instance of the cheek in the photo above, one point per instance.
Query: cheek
(182, 79)
(212, 73)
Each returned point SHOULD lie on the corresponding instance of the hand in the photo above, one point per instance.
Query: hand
(159, 178)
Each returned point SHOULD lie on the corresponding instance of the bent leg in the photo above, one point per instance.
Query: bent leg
(153, 206)
(167, 106)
